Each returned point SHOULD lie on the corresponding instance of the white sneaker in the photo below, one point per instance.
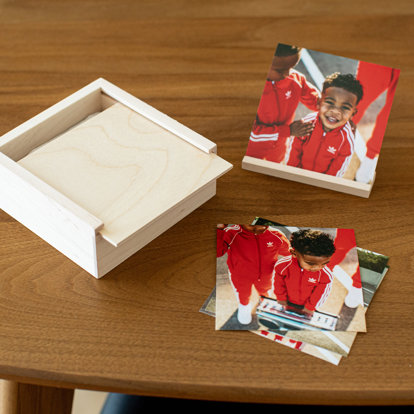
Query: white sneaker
(354, 297)
(244, 314)
(366, 171)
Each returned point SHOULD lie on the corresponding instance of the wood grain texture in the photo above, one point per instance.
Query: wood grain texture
(202, 63)
(124, 169)
(23, 139)
(52, 216)
(307, 177)
(109, 256)
(35, 399)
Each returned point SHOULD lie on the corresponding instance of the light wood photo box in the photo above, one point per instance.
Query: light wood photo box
(100, 174)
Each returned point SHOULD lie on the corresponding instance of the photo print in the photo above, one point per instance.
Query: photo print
(326, 345)
(287, 278)
(321, 119)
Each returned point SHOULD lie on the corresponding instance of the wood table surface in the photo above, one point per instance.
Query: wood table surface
(139, 330)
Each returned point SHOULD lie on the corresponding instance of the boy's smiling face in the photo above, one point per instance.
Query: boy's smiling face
(281, 66)
(337, 107)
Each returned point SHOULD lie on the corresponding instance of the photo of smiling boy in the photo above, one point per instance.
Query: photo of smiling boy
(284, 89)
(303, 280)
(330, 146)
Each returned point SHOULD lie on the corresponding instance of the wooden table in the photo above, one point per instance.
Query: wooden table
(139, 330)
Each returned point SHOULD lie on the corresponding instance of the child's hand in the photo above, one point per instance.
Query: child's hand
(301, 129)
(221, 226)
(282, 302)
(308, 311)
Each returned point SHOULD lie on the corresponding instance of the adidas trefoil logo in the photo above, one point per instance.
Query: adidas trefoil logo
(288, 94)
(332, 150)
(269, 244)
(311, 280)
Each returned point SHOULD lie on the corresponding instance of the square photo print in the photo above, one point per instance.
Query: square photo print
(287, 278)
(321, 120)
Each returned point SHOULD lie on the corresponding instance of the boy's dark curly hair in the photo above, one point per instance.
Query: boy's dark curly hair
(347, 82)
(287, 50)
(313, 243)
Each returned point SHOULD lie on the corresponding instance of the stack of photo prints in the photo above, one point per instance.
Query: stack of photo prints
(321, 121)
(306, 288)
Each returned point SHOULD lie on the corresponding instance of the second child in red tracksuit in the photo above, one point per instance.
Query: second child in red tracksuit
(330, 146)
(303, 279)
(284, 89)
(301, 287)
(252, 255)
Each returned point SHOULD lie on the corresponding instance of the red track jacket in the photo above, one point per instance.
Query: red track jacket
(249, 253)
(276, 112)
(324, 152)
(251, 258)
(299, 286)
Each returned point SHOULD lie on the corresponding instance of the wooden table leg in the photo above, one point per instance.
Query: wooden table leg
(18, 398)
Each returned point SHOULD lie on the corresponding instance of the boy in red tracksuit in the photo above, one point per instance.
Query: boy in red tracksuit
(303, 280)
(329, 148)
(284, 89)
(252, 254)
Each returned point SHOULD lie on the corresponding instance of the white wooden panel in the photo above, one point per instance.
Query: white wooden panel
(55, 219)
(307, 177)
(53, 121)
(124, 169)
(109, 256)
(158, 117)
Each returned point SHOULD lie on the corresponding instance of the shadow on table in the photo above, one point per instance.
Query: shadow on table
(233, 324)
(132, 404)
